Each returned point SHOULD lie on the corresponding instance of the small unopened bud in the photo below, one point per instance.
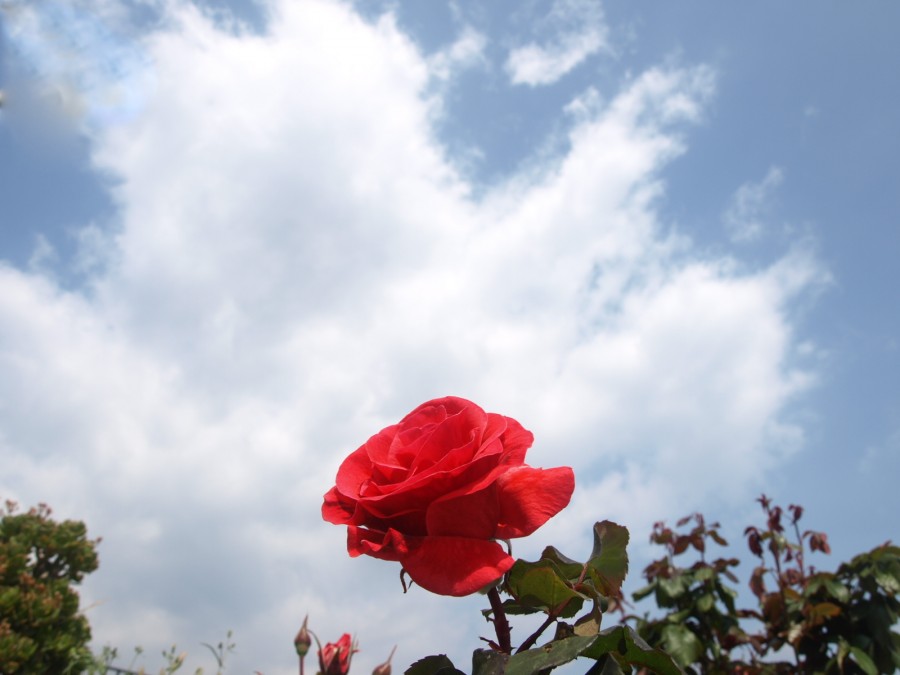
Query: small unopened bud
(385, 668)
(302, 641)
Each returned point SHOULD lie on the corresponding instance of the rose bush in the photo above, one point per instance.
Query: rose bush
(438, 490)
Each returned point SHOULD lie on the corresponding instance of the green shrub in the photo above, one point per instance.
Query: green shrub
(41, 628)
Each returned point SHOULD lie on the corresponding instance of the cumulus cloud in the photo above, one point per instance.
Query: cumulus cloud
(750, 207)
(579, 32)
(297, 263)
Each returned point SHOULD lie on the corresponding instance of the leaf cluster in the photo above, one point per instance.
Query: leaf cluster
(573, 596)
(701, 625)
(41, 628)
(807, 621)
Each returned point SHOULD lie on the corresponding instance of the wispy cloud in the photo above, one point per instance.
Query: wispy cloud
(750, 207)
(579, 32)
(466, 51)
(296, 264)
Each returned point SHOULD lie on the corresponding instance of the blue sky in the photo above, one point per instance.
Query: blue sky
(237, 239)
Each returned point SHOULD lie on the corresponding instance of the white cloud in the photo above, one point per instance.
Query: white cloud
(81, 59)
(580, 32)
(750, 207)
(466, 51)
(298, 264)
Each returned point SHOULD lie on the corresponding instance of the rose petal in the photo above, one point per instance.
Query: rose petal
(421, 491)
(471, 515)
(516, 440)
(389, 545)
(454, 441)
(454, 565)
(444, 565)
(337, 508)
(515, 505)
(529, 497)
(354, 472)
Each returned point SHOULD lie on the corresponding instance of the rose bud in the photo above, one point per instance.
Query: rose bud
(385, 668)
(438, 492)
(302, 641)
(334, 657)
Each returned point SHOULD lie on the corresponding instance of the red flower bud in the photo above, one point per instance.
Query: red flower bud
(334, 657)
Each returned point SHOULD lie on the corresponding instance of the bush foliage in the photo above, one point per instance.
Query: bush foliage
(805, 621)
(41, 628)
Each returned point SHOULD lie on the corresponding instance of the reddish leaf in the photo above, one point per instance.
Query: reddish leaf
(791, 577)
(698, 542)
(757, 585)
(818, 541)
(754, 541)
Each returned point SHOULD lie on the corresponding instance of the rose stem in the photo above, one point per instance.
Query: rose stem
(501, 625)
(534, 636)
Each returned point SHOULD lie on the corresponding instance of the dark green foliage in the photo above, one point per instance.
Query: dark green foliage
(808, 621)
(562, 588)
(700, 626)
(41, 630)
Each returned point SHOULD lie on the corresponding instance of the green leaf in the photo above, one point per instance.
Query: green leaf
(704, 574)
(863, 661)
(606, 666)
(569, 569)
(727, 596)
(438, 664)
(608, 564)
(889, 582)
(642, 593)
(589, 624)
(627, 647)
(537, 584)
(682, 644)
(512, 607)
(673, 587)
(705, 602)
(488, 662)
(837, 590)
(551, 655)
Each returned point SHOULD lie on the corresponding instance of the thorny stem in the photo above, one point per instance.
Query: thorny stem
(501, 625)
(536, 634)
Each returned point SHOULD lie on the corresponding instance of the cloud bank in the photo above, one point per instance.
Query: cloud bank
(298, 262)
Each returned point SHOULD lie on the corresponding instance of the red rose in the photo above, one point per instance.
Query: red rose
(436, 491)
(334, 657)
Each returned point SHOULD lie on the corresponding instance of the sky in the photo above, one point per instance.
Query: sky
(239, 238)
